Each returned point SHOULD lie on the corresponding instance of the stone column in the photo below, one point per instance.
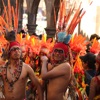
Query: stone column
(32, 8)
(31, 29)
(51, 24)
(50, 32)
(20, 14)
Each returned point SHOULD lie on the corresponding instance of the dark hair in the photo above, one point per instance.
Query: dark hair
(10, 36)
(88, 47)
(89, 58)
(94, 36)
(22, 31)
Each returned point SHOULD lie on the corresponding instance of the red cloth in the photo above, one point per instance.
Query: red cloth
(14, 43)
(61, 46)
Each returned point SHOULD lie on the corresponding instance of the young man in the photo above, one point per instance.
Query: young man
(88, 63)
(15, 74)
(58, 72)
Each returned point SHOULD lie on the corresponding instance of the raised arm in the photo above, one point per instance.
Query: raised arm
(57, 71)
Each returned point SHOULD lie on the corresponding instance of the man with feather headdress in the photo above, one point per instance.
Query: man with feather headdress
(58, 72)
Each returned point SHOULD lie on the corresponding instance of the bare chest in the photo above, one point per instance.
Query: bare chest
(13, 79)
(58, 84)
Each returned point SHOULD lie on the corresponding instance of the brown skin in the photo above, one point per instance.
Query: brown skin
(19, 86)
(59, 77)
(94, 86)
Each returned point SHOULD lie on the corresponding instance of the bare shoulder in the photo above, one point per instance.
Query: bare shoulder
(96, 79)
(27, 66)
(66, 69)
(65, 65)
(93, 81)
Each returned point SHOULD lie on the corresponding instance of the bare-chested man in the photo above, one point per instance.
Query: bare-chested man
(15, 74)
(60, 75)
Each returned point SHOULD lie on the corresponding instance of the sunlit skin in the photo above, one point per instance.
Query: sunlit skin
(19, 87)
(58, 75)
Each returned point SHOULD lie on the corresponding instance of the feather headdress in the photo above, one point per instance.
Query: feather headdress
(67, 21)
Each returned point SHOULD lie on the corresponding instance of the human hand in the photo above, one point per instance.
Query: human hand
(44, 58)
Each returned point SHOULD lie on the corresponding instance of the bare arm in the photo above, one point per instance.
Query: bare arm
(57, 71)
(35, 82)
(92, 89)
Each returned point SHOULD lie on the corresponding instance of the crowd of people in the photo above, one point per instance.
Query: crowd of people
(48, 75)
(63, 67)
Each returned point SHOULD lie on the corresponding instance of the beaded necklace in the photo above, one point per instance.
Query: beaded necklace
(15, 75)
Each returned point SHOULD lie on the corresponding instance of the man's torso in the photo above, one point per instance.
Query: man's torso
(17, 92)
